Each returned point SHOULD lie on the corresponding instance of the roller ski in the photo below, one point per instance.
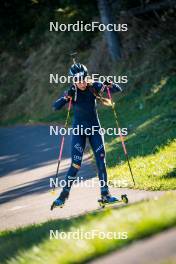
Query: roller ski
(110, 200)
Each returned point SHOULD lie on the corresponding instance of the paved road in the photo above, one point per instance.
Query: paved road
(28, 159)
(160, 248)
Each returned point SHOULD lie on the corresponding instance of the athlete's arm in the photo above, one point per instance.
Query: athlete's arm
(69, 94)
(59, 103)
(114, 87)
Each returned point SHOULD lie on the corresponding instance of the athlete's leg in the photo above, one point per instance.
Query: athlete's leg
(97, 144)
(77, 149)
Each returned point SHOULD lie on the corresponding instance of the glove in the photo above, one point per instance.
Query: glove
(70, 93)
(108, 83)
(113, 86)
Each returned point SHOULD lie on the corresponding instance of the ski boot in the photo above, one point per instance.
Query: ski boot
(60, 201)
(107, 199)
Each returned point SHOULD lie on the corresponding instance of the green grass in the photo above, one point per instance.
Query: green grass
(151, 123)
(32, 244)
(152, 172)
(171, 260)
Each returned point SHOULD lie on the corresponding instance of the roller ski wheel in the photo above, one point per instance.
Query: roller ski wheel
(57, 203)
(101, 203)
(105, 202)
(124, 198)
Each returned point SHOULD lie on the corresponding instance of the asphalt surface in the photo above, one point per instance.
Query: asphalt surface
(160, 248)
(28, 159)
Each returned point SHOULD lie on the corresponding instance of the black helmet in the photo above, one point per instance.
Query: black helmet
(78, 71)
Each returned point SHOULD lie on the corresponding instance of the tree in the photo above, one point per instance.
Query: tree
(112, 37)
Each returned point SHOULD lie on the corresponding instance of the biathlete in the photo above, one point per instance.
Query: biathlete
(84, 93)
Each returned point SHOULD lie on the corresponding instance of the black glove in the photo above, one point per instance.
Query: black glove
(107, 83)
(113, 86)
(71, 93)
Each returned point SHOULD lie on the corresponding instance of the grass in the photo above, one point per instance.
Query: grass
(33, 245)
(152, 172)
(151, 137)
(170, 260)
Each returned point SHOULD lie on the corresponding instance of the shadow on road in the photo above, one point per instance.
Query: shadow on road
(24, 148)
(28, 147)
(41, 185)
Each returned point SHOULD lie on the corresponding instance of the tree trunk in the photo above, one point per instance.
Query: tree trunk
(112, 37)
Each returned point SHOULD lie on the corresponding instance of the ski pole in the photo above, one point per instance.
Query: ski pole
(62, 144)
(121, 137)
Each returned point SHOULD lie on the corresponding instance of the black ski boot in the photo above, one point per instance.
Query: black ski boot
(60, 201)
(106, 197)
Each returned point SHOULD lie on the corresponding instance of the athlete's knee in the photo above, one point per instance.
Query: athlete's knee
(101, 162)
(74, 167)
(72, 174)
(102, 155)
